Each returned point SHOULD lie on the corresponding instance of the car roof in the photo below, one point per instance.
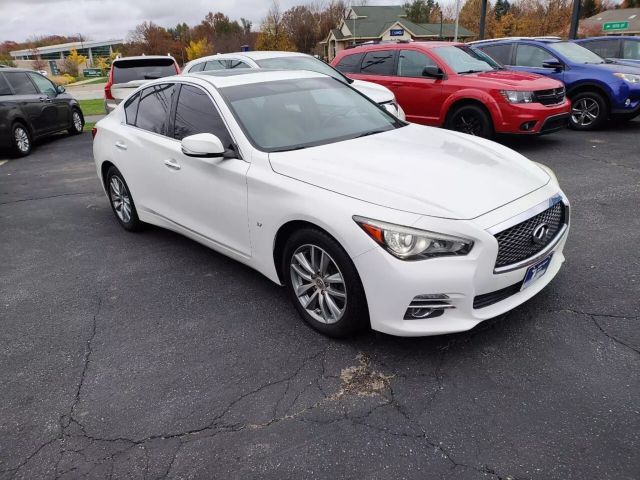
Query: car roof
(609, 37)
(517, 39)
(255, 55)
(229, 78)
(143, 57)
(403, 44)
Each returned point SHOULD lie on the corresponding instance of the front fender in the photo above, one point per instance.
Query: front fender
(478, 96)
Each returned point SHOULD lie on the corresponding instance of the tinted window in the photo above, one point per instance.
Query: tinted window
(4, 86)
(532, 56)
(631, 49)
(500, 53)
(350, 63)
(196, 113)
(412, 63)
(604, 48)
(198, 67)
(378, 63)
(45, 86)
(143, 69)
(215, 65)
(20, 83)
(236, 64)
(153, 109)
(131, 109)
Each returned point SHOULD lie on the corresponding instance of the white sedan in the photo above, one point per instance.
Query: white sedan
(365, 219)
(293, 61)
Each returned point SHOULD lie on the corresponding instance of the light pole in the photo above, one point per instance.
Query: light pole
(455, 33)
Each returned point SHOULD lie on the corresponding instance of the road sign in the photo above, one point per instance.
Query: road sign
(611, 26)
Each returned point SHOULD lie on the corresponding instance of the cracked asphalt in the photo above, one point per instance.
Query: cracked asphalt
(149, 356)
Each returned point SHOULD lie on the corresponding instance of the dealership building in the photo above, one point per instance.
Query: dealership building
(383, 23)
(53, 55)
(619, 21)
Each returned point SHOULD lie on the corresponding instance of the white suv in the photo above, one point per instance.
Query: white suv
(294, 61)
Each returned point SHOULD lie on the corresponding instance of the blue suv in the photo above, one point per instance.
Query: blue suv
(625, 50)
(598, 89)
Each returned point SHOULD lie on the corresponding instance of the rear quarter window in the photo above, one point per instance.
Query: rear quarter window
(143, 69)
(350, 63)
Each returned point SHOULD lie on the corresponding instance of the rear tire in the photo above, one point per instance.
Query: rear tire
(470, 119)
(121, 201)
(21, 140)
(323, 284)
(77, 122)
(588, 111)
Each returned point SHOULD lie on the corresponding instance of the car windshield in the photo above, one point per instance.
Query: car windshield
(143, 69)
(464, 59)
(576, 53)
(302, 63)
(298, 113)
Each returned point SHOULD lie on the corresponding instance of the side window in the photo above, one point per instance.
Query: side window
(21, 83)
(153, 109)
(4, 86)
(236, 64)
(412, 63)
(196, 113)
(500, 53)
(378, 63)
(131, 109)
(215, 65)
(604, 48)
(45, 86)
(631, 49)
(350, 63)
(532, 56)
(198, 67)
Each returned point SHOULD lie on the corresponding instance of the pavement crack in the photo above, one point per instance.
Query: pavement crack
(47, 197)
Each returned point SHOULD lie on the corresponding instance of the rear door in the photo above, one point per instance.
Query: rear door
(129, 74)
(60, 103)
(36, 107)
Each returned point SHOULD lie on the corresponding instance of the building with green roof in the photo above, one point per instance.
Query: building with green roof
(384, 23)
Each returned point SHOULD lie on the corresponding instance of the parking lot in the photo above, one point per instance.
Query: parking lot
(149, 356)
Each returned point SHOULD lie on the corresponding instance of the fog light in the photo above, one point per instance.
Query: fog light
(526, 126)
(627, 102)
(429, 305)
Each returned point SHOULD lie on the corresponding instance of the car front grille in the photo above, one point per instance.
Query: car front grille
(517, 243)
(552, 96)
(486, 299)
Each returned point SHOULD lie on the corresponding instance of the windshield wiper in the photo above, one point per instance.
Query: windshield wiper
(471, 71)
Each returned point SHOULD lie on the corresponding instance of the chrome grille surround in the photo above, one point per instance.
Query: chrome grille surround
(552, 96)
(516, 248)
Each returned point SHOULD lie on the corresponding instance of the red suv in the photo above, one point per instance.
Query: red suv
(458, 87)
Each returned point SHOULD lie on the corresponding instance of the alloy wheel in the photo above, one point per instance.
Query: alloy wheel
(467, 122)
(120, 199)
(22, 139)
(318, 284)
(585, 111)
(77, 121)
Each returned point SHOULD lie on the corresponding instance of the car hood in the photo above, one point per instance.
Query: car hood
(417, 169)
(616, 67)
(517, 80)
(375, 92)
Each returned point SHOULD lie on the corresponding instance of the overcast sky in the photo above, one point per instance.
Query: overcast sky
(112, 19)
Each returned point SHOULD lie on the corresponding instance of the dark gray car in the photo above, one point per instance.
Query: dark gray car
(32, 106)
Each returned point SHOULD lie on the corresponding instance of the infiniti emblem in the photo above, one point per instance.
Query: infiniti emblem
(539, 234)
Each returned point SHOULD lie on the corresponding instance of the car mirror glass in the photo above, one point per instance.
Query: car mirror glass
(60, 89)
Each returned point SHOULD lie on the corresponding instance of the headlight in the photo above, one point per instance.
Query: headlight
(514, 96)
(409, 243)
(628, 77)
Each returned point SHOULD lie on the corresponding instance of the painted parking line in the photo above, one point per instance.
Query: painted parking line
(2, 162)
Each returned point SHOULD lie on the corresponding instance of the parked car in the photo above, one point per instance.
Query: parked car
(598, 90)
(365, 219)
(450, 85)
(128, 73)
(624, 50)
(32, 106)
(294, 61)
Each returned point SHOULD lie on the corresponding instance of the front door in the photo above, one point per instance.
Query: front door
(61, 110)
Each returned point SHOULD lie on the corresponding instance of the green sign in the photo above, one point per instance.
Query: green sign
(610, 26)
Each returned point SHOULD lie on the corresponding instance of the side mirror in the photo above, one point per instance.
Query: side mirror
(202, 145)
(60, 89)
(553, 63)
(432, 71)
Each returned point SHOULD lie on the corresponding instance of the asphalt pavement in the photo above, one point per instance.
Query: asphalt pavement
(149, 356)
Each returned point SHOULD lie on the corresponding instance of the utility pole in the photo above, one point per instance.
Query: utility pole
(575, 19)
(455, 34)
(483, 18)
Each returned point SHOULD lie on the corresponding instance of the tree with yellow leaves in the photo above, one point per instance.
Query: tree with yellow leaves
(199, 48)
(273, 34)
(72, 63)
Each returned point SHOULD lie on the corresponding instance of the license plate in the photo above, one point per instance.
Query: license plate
(536, 271)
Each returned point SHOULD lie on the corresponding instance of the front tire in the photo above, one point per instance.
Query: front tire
(470, 119)
(323, 284)
(21, 140)
(121, 201)
(588, 111)
(77, 122)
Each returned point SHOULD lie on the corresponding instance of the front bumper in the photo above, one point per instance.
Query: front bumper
(391, 285)
(533, 118)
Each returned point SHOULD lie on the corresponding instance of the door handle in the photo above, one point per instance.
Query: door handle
(121, 146)
(45, 99)
(171, 163)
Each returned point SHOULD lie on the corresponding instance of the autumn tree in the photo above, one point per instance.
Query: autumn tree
(151, 39)
(419, 11)
(71, 63)
(630, 4)
(37, 63)
(272, 32)
(501, 8)
(199, 48)
(300, 26)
